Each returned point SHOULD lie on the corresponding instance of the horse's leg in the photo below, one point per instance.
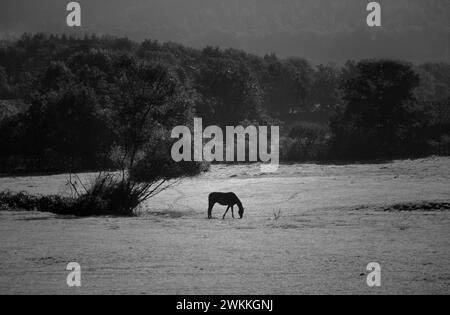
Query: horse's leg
(223, 218)
(211, 206)
(232, 211)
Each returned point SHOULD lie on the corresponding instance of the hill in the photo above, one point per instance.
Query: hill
(320, 30)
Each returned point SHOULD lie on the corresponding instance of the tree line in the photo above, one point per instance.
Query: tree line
(109, 103)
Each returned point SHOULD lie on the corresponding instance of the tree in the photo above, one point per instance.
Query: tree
(5, 90)
(56, 76)
(147, 101)
(309, 138)
(3, 77)
(65, 129)
(380, 118)
(325, 87)
(287, 84)
(435, 81)
(229, 92)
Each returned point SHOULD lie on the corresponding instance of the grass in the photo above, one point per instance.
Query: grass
(276, 215)
(107, 196)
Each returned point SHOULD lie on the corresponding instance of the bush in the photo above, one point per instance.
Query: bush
(23, 201)
(306, 141)
(107, 196)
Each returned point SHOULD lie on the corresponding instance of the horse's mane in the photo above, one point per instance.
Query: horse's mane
(239, 204)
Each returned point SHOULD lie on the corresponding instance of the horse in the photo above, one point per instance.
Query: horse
(225, 199)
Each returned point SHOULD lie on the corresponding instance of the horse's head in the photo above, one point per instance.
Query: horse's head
(241, 212)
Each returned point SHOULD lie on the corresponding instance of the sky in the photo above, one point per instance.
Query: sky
(319, 30)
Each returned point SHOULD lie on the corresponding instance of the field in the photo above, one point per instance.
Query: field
(307, 229)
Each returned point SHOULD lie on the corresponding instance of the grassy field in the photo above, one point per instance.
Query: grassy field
(307, 229)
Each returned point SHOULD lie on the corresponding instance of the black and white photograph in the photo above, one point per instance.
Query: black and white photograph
(224, 153)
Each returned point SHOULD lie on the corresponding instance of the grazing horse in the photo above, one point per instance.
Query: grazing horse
(225, 199)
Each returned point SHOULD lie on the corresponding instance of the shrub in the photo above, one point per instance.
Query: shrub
(107, 196)
(306, 141)
(24, 201)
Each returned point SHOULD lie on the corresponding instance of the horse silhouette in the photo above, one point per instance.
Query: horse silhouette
(225, 199)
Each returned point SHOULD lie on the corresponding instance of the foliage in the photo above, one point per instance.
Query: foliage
(230, 92)
(94, 98)
(107, 196)
(379, 118)
(287, 85)
(305, 142)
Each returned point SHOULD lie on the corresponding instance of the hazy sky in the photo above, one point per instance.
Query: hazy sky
(321, 30)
